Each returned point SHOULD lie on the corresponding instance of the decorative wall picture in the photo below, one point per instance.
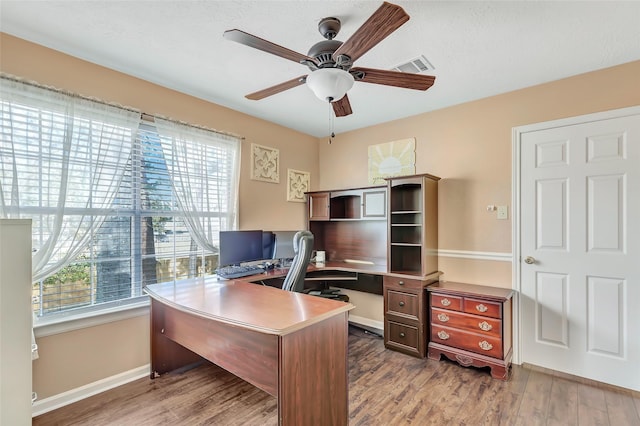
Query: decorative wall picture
(265, 163)
(397, 158)
(298, 183)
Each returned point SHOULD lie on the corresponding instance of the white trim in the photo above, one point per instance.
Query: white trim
(82, 392)
(65, 324)
(367, 322)
(478, 255)
(515, 245)
(516, 138)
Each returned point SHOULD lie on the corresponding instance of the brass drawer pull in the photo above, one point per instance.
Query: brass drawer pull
(443, 335)
(402, 334)
(445, 302)
(485, 346)
(443, 317)
(481, 308)
(485, 326)
(401, 303)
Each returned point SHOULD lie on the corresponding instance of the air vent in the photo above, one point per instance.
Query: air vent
(415, 66)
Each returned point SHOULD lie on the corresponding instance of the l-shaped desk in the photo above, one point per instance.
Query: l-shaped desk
(291, 345)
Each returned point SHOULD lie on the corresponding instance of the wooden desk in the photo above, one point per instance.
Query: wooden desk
(291, 345)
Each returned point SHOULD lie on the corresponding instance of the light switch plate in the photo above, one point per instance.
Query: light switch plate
(503, 212)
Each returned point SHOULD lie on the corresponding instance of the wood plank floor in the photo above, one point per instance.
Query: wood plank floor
(385, 388)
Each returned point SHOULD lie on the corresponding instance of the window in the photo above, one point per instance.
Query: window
(116, 202)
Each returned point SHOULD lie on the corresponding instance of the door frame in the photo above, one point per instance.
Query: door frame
(516, 152)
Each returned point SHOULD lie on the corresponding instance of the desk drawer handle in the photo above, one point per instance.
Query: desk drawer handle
(485, 346)
(443, 317)
(485, 326)
(443, 335)
(445, 302)
(481, 308)
(402, 334)
(401, 303)
(400, 282)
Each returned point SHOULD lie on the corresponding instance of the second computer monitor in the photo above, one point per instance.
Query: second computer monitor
(284, 245)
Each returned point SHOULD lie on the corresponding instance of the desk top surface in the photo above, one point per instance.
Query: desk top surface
(252, 306)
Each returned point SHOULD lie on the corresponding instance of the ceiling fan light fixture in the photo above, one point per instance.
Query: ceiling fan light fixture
(330, 84)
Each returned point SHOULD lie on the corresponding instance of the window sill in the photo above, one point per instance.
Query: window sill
(50, 326)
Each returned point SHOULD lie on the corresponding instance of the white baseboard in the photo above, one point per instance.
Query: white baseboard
(73, 395)
(367, 322)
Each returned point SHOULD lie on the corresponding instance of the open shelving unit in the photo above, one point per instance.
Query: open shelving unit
(413, 224)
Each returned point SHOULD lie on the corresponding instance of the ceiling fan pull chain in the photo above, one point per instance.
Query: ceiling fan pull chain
(331, 122)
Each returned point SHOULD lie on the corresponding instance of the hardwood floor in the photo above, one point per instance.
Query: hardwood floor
(385, 388)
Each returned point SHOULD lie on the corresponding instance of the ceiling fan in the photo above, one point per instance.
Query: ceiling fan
(331, 61)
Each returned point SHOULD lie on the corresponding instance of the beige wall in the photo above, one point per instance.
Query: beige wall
(469, 147)
(73, 359)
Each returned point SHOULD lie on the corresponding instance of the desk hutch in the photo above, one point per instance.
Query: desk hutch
(394, 227)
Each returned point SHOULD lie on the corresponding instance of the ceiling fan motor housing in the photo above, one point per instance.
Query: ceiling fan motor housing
(322, 52)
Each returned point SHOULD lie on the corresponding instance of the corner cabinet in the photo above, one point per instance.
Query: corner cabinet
(413, 225)
(471, 324)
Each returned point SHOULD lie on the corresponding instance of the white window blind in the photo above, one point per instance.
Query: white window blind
(130, 206)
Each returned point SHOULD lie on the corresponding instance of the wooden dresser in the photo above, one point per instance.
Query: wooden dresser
(471, 324)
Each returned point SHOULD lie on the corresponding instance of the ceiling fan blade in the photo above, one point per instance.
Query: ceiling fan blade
(383, 22)
(266, 46)
(342, 107)
(261, 94)
(396, 78)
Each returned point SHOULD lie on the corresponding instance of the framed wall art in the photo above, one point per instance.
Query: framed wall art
(298, 183)
(397, 158)
(265, 163)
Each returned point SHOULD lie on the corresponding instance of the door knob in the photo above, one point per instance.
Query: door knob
(529, 260)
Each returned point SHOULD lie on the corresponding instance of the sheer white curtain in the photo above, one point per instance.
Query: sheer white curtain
(204, 168)
(61, 162)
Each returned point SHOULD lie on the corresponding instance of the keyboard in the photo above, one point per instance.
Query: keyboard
(229, 272)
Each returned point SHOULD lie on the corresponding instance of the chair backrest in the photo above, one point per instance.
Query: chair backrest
(302, 247)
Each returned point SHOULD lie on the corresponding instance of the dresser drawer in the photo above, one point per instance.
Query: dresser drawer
(402, 335)
(485, 345)
(474, 323)
(403, 283)
(404, 304)
(483, 307)
(446, 301)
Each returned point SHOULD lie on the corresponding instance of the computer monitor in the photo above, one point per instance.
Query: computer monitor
(268, 244)
(240, 246)
(284, 245)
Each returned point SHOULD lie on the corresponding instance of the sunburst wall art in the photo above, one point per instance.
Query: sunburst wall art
(297, 185)
(397, 158)
(265, 163)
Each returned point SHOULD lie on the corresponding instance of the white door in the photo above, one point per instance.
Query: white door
(579, 249)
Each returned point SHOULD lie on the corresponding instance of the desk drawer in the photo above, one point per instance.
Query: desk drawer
(473, 323)
(403, 335)
(446, 301)
(483, 307)
(404, 283)
(485, 345)
(403, 304)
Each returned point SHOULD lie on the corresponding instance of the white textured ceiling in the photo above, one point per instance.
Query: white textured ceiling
(478, 48)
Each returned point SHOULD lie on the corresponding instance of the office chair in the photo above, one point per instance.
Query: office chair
(294, 281)
(302, 247)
